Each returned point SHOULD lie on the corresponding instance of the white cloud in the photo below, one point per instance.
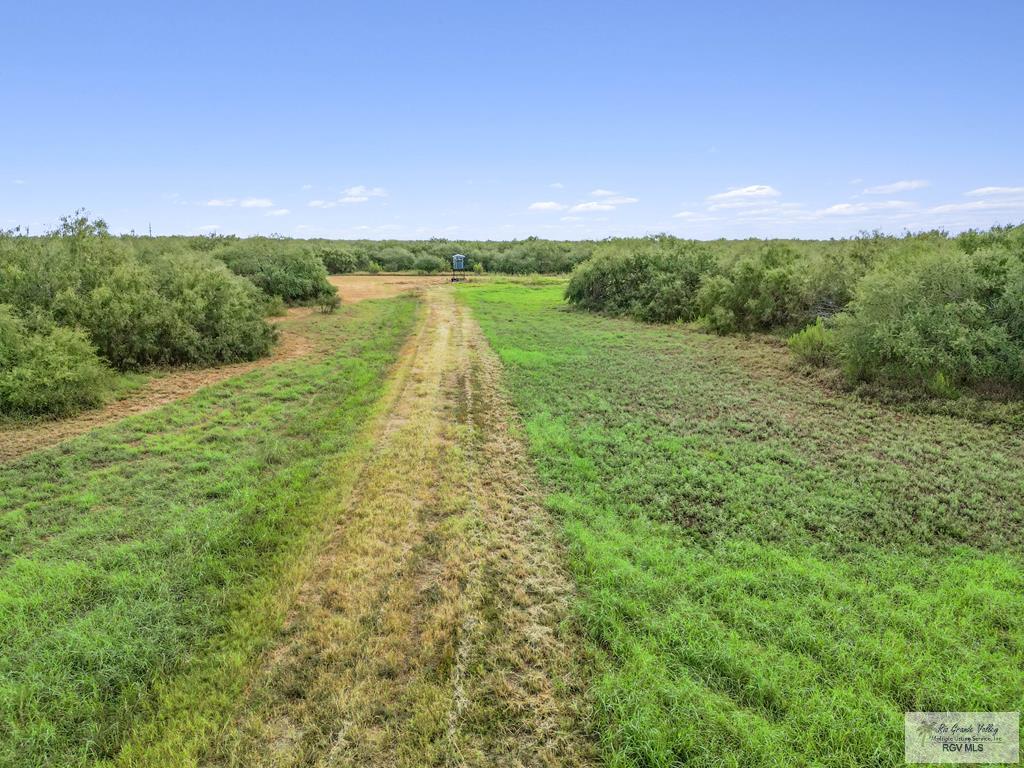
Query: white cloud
(209, 228)
(853, 209)
(278, 212)
(755, 191)
(557, 185)
(607, 201)
(348, 200)
(546, 205)
(306, 187)
(249, 202)
(731, 204)
(361, 191)
(571, 218)
(896, 186)
(351, 196)
(693, 216)
(1007, 204)
(18, 181)
(986, 191)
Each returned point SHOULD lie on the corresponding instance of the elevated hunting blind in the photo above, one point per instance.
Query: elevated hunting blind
(458, 267)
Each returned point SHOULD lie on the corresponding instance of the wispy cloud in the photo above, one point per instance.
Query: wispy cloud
(249, 202)
(557, 185)
(605, 200)
(999, 191)
(693, 216)
(209, 228)
(19, 181)
(1005, 204)
(753, 192)
(853, 209)
(897, 186)
(278, 212)
(350, 196)
(361, 191)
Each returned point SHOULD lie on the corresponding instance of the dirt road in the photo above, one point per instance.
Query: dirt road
(361, 287)
(429, 631)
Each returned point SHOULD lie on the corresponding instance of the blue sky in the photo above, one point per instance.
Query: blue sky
(501, 120)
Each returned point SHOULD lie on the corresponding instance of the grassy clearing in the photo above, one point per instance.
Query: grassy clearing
(770, 573)
(427, 632)
(145, 564)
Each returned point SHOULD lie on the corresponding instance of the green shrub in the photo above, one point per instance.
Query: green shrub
(396, 259)
(217, 316)
(760, 292)
(814, 345)
(12, 338)
(275, 307)
(536, 256)
(56, 373)
(938, 319)
(126, 317)
(429, 265)
(338, 261)
(142, 302)
(654, 280)
(277, 268)
(328, 304)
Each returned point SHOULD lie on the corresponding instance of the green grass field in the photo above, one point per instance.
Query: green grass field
(145, 564)
(769, 572)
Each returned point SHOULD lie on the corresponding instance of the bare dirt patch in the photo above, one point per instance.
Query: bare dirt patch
(354, 288)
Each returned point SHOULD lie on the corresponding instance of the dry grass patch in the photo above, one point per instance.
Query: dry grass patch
(429, 630)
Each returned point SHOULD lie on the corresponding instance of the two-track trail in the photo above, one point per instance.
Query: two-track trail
(431, 629)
